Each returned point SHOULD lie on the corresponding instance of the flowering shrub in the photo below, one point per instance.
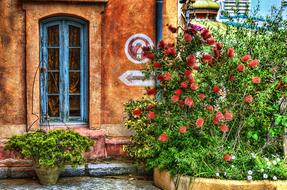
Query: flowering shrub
(215, 110)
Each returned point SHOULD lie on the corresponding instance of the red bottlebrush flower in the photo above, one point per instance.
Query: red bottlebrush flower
(218, 46)
(174, 98)
(206, 58)
(230, 52)
(216, 89)
(216, 53)
(256, 80)
(181, 102)
(151, 91)
(228, 116)
(205, 34)
(188, 101)
(156, 65)
(169, 45)
(227, 157)
(224, 128)
(245, 58)
(215, 121)
(210, 41)
(191, 60)
(171, 51)
(160, 77)
(167, 76)
(150, 107)
(199, 122)
(178, 92)
(183, 85)
(149, 55)
(187, 37)
(193, 86)
(172, 29)
(195, 66)
(252, 64)
(146, 48)
(231, 77)
(151, 115)
(209, 108)
(137, 112)
(187, 73)
(161, 44)
(248, 99)
(191, 80)
(182, 129)
(278, 85)
(219, 116)
(201, 96)
(163, 137)
(240, 67)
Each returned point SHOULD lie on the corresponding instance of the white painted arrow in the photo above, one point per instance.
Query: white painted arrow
(135, 78)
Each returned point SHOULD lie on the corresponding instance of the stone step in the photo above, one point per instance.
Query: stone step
(90, 169)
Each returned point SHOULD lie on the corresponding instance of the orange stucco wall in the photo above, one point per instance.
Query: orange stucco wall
(12, 68)
(111, 23)
(123, 19)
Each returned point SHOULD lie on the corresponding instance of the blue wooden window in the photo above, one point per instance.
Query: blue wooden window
(64, 70)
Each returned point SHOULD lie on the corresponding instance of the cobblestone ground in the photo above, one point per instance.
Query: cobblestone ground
(78, 183)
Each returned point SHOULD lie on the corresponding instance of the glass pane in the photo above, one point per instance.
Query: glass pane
(53, 106)
(75, 105)
(74, 54)
(53, 82)
(53, 35)
(74, 36)
(53, 58)
(75, 81)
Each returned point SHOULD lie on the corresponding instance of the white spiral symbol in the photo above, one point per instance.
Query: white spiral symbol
(134, 45)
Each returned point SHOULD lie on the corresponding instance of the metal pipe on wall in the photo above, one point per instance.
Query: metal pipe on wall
(158, 30)
(158, 20)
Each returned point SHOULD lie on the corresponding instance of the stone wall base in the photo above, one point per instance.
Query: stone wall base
(105, 146)
(93, 170)
(164, 181)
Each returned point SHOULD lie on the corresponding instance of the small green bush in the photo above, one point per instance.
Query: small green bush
(53, 148)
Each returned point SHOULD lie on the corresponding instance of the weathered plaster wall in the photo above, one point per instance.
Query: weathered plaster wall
(110, 25)
(12, 68)
(90, 12)
(122, 20)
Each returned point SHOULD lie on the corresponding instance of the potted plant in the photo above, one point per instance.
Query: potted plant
(50, 151)
(216, 111)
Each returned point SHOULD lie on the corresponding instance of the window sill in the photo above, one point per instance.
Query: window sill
(64, 125)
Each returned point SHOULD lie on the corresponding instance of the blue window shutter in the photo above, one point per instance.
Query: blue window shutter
(64, 106)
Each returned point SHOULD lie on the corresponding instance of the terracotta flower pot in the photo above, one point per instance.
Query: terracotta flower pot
(47, 175)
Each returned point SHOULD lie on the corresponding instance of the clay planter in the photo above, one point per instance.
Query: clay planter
(164, 181)
(47, 175)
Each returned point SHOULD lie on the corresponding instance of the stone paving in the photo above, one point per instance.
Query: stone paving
(79, 183)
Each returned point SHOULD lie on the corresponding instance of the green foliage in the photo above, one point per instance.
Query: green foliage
(53, 148)
(238, 100)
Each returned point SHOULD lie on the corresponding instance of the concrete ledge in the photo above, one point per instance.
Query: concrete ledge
(3, 172)
(111, 169)
(164, 181)
(69, 171)
(101, 169)
(21, 172)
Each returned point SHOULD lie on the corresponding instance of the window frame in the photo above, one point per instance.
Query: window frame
(64, 107)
